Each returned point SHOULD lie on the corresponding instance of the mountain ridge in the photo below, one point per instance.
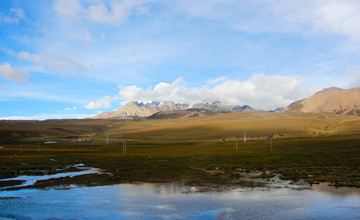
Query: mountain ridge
(135, 109)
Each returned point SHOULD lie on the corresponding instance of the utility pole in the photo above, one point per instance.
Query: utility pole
(124, 147)
(244, 137)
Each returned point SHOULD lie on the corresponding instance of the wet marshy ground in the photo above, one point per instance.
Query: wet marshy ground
(332, 159)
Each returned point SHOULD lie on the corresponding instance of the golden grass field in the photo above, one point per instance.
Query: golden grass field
(213, 127)
(231, 125)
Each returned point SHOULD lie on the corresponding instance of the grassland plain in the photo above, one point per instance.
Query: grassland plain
(200, 151)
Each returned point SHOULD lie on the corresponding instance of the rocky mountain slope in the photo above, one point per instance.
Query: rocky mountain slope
(138, 109)
(331, 100)
(131, 109)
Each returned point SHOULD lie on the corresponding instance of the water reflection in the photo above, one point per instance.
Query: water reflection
(175, 201)
(173, 188)
(157, 188)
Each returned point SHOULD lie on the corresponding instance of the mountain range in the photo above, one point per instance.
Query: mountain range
(136, 109)
(331, 100)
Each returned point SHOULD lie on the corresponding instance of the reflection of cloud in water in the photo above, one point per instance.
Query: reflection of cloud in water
(165, 206)
(171, 188)
(165, 189)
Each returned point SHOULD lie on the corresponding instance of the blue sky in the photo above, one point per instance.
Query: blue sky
(75, 58)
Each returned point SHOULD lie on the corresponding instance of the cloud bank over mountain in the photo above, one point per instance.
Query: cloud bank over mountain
(260, 91)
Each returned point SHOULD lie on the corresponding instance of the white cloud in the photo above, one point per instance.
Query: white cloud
(81, 36)
(73, 108)
(115, 13)
(216, 81)
(339, 17)
(22, 39)
(105, 102)
(12, 73)
(67, 9)
(50, 63)
(18, 12)
(45, 116)
(14, 16)
(118, 12)
(354, 81)
(35, 58)
(67, 62)
(40, 91)
(260, 92)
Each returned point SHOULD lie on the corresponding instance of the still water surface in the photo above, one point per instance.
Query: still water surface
(174, 201)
